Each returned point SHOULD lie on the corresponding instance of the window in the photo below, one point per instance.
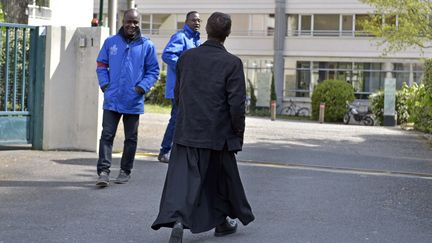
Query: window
(347, 25)
(155, 23)
(270, 24)
(326, 25)
(43, 3)
(252, 24)
(240, 26)
(359, 29)
(401, 73)
(390, 20)
(258, 73)
(146, 23)
(417, 72)
(306, 25)
(303, 79)
(297, 79)
(292, 26)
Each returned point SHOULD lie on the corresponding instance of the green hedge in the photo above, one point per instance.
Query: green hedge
(376, 102)
(157, 93)
(421, 104)
(334, 93)
(413, 105)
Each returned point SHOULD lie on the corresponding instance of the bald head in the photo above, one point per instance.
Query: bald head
(132, 12)
(131, 22)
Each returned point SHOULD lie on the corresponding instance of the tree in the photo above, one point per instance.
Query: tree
(400, 23)
(14, 11)
(1, 13)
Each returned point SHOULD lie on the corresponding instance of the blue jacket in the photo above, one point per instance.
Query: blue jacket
(121, 67)
(181, 41)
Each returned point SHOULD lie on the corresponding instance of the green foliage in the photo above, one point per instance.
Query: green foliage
(422, 101)
(2, 19)
(413, 30)
(427, 79)
(157, 93)
(7, 84)
(376, 102)
(272, 89)
(412, 106)
(334, 93)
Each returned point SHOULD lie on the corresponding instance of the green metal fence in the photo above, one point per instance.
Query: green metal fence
(21, 77)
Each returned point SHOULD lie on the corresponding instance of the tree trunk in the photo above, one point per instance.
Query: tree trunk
(15, 11)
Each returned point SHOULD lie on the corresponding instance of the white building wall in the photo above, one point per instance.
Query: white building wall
(327, 6)
(76, 13)
(341, 47)
(204, 6)
(72, 98)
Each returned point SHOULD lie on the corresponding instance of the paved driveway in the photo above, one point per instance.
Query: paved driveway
(306, 182)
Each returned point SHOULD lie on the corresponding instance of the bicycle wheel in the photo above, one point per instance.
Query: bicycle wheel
(303, 112)
(290, 111)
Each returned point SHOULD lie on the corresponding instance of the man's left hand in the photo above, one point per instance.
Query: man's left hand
(139, 90)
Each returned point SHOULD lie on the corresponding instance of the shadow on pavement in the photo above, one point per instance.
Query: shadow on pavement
(80, 161)
(47, 184)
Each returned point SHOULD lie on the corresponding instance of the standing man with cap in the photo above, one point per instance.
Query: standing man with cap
(185, 39)
(203, 189)
(127, 67)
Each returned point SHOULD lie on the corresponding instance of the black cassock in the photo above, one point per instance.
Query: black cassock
(202, 187)
(203, 184)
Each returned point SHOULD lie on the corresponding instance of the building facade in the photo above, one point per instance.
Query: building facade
(77, 13)
(319, 40)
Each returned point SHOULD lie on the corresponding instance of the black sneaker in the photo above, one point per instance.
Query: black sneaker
(226, 228)
(163, 158)
(103, 179)
(176, 233)
(122, 177)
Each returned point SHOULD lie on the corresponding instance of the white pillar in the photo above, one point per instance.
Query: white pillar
(130, 4)
(279, 45)
(411, 74)
(112, 16)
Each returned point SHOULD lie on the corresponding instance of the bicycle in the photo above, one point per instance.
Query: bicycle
(293, 110)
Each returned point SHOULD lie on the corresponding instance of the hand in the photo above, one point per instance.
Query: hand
(139, 90)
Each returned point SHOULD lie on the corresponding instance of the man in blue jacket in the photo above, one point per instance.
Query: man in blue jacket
(127, 67)
(185, 39)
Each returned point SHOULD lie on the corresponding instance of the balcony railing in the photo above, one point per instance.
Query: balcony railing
(39, 12)
(168, 32)
(270, 32)
(329, 33)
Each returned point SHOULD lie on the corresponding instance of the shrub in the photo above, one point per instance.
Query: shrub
(403, 106)
(272, 89)
(334, 93)
(157, 92)
(423, 101)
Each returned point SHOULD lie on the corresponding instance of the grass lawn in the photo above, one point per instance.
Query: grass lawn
(151, 108)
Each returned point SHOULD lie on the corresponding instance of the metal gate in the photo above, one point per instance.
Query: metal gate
(22, 60)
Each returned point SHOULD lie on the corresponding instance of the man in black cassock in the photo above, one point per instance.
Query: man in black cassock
(203, 189)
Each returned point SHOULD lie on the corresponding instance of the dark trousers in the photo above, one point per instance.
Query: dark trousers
(109, 129)
(169, 132)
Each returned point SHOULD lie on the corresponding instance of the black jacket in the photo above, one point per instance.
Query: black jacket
(210, 95)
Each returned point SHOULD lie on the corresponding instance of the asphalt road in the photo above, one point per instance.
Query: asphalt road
(306, 182)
